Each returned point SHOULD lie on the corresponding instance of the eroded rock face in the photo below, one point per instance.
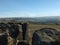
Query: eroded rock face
(46, 36)
(13, 30)
(3, 34)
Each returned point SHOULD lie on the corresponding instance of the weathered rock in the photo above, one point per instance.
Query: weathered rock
(3, 34)
(46, 36)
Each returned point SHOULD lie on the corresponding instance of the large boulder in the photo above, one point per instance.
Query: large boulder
(3, 34)
(13, 30)
(46, 36)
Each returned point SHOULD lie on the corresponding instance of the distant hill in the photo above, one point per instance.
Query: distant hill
(36, 19)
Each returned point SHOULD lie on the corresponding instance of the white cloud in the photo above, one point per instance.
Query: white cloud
(29, 14)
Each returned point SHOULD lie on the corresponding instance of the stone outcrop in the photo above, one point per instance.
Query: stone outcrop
(46, 36)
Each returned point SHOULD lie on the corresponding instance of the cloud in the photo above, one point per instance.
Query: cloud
(16, 14)
(29, 14)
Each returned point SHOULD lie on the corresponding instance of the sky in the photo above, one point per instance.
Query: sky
(29, 8)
